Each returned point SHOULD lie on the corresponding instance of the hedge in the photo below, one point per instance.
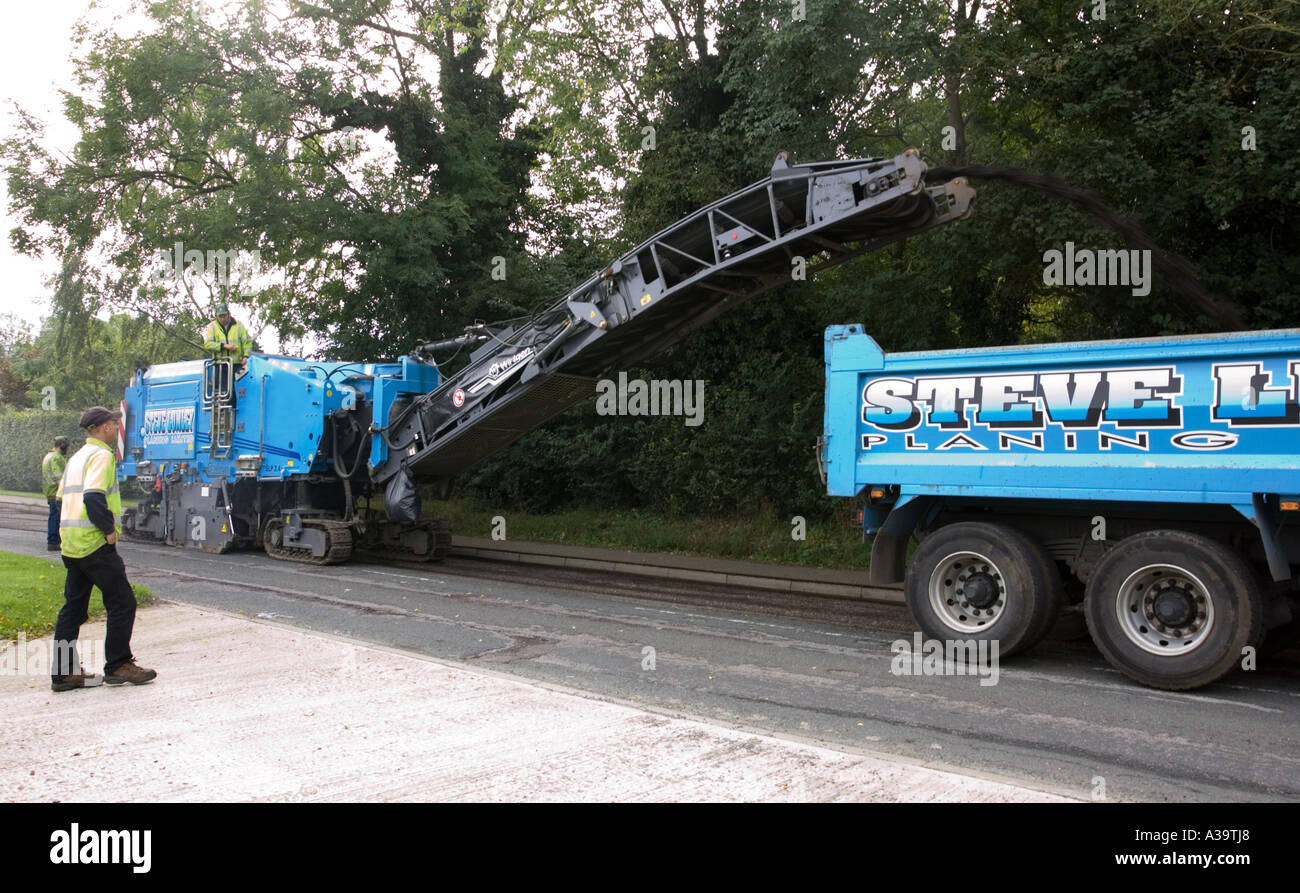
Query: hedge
(26, 435)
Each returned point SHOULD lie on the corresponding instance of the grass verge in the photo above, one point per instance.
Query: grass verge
(835, 543)
(21, 493)
(31, 594)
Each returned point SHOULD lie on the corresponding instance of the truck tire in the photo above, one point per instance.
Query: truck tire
(971, 580)
(1173, 610)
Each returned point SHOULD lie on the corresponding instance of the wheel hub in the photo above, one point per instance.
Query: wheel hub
(967, 592)
(1173, 607)
(1164, 609)
(981, 589)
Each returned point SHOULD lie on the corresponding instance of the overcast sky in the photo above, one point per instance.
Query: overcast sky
(35, 46)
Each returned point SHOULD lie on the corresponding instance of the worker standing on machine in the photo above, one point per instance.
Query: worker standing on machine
(51, 472)
(226, 336)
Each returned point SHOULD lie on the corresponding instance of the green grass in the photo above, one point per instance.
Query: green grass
(31, 594)
(20, 493)
(836, 543)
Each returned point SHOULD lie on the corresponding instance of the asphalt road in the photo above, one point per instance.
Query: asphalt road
(1059, 719)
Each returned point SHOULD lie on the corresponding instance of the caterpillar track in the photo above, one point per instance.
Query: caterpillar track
(337, 534)
(320, 541)
(404, 541)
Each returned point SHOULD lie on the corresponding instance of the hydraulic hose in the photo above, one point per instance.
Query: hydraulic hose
(1175, 269)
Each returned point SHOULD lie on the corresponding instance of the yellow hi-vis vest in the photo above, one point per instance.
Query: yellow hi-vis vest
(51, 470)
(92, 469)
(214, 336)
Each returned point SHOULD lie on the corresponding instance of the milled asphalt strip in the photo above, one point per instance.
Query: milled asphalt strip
(423, 581)
(423, 577)
(894, 720)
(514, 639)
(1059, 793)
(262, 712)
(682, 568)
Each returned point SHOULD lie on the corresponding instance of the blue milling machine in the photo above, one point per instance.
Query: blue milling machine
(266, 453)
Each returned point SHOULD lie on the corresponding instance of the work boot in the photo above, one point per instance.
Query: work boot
(129, 672)
(52, 547)
(76, 680)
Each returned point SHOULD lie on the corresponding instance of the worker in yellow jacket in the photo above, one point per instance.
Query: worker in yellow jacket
(51, 472)
(88, 531)
(226, 336)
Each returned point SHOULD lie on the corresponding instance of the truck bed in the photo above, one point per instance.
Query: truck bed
(1195, 419)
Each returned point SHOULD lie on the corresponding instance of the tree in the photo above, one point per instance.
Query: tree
(1145, 108)
(15, 345)
(1150, 106)
(91, 365)
(375, 202)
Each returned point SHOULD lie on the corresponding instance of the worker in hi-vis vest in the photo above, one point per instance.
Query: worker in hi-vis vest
(226, 336)
(88, 531)
(51, 471)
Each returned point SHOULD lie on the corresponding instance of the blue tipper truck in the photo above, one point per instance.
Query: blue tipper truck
(1158, 480)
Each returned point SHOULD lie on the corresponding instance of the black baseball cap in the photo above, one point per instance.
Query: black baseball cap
(97, 415)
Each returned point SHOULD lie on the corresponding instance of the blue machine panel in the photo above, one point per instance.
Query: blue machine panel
(280, 410)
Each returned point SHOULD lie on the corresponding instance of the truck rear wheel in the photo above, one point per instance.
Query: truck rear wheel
(972, 580)
(1173, 610)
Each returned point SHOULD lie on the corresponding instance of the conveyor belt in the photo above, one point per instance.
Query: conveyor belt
(817, 215)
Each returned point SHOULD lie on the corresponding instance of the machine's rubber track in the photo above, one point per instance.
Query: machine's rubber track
(136, 536)
(339, 549)
(440, 532)
(375, 547)
(129, 531)
(442, 540)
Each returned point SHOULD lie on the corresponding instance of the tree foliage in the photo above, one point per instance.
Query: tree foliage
(385, 156)
(80, 361)
(355, 146)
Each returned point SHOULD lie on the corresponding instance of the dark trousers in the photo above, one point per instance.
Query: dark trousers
(102, 568)
(52, 523)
